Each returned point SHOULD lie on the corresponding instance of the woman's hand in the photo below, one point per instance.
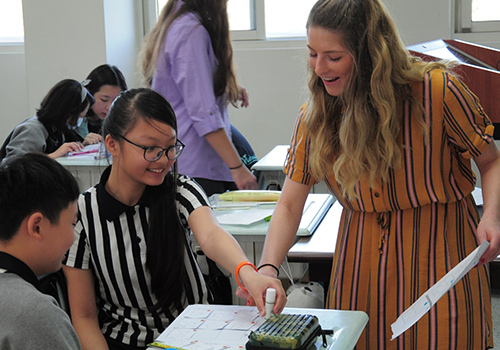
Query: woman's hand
(91, 139)
(244, 179)
(65, 149)
(243, 96)
(489, 230)
(256, 285)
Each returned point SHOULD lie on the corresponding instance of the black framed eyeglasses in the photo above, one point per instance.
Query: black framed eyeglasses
(153, 153)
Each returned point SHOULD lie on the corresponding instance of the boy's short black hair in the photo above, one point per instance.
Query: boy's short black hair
(29, 183)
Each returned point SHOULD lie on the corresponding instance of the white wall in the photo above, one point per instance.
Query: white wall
(63, 39)
(68, 38)
(13, 89)
(275, 79)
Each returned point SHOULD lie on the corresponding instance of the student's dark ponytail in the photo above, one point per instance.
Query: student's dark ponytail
(165, 235)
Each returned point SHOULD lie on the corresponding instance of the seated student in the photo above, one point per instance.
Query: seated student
(132, 255)
(38, 206)
(105, 83)
(60, 108)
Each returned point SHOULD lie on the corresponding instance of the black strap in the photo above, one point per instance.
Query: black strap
(16, 266)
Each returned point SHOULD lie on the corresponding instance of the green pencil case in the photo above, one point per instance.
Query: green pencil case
(285, 331)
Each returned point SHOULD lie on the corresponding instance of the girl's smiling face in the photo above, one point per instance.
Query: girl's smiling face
(134, 169)
(329, 59)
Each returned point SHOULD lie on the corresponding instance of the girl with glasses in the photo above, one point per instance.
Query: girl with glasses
(60, 109)
(132, 254)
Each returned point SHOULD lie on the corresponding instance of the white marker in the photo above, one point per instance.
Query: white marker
(270, 299)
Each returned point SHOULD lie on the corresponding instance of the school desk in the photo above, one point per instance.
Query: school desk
(86, 165)
(271, 170)
(207, 327)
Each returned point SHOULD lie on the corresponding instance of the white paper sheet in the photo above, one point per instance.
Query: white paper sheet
(212, 328)
(95, 151)
(429, 298)
(244, 217)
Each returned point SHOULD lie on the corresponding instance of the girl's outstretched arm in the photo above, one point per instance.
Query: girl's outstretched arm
(221, 247)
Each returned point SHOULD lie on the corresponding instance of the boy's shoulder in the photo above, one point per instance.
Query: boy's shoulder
(16, 294)
(22, 306)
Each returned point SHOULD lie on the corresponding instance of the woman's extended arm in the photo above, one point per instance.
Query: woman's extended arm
(84, 308)
(284, 224)
(488, 229)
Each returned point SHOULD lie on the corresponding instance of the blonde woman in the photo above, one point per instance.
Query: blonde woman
(393, 138)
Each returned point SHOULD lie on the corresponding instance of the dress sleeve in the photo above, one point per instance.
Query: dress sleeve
(466, 123)
(297, 161)
(192, 64)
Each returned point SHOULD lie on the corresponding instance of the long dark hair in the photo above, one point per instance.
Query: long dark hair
(63, 104)
(213, 16)
(165, 237)
(104, 74)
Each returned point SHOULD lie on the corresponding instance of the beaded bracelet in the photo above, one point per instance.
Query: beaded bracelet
(236, 167)
(238, 271)
(271, 265)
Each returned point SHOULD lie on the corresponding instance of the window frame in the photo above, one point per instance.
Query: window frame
(257, 13)
(464, 23)
(258, 17)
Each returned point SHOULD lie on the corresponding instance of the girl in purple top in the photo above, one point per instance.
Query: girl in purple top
(187, 58)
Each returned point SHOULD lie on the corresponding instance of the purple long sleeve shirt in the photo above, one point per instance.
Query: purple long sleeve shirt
(184, 76)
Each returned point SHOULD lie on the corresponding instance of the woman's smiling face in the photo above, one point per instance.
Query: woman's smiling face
(329, 59)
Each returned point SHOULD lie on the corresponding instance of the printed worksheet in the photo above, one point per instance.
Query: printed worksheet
(199, 328)
(429, 298)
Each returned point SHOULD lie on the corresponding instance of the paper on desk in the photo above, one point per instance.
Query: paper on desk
(245, 216)
(429, 298)
(212, 327)
(95, 151)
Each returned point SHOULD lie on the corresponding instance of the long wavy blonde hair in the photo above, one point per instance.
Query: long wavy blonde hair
(355, 136)
(213, 16)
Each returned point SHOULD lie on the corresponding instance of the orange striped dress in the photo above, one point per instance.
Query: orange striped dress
(397, 240)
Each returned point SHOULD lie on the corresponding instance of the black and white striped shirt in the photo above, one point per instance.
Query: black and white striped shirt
(110, 240)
